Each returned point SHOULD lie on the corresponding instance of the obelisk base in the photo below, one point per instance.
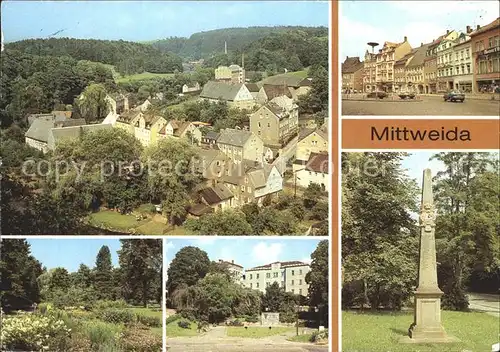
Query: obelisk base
(427, 326)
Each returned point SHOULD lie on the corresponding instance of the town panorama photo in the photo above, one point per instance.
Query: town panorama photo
(179, 118)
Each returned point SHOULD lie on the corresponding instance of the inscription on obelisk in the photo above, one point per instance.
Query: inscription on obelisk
(427, 326)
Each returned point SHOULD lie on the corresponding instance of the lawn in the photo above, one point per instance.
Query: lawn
(151, 228)
(144, 75)
(380, 332)
(256, 332)
(147, 312)
(114, 220)
(174, 330)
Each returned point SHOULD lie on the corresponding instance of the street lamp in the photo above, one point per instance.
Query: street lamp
(295, 185)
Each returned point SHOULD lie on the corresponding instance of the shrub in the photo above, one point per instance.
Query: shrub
(102, 305)
(135, 340)
(188, 313)
(172, 318)
(152, 322)
(102, 334)
(147, 208)
(117, 316)
(184, 324)
(318, 336)
(235, 322)
(252, 319)
(44, 308)
(288, 316)
(31, 332)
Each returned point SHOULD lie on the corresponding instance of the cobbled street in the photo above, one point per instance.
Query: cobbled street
(428, 106)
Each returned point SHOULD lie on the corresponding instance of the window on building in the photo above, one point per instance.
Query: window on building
(250, 276)
(293, 282)
(268, 124)
(268, 275)
(300, 272)
(257, 285)
(491, 42)
(257, 276)
(293, 291)
(300, 282)
(268, 284)
(293, 272)
(275, 274)
(282, 283)
(250, 285)
(300, 291)
(496, 65)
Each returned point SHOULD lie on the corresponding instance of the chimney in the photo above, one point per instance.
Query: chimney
(406, 38)
(232, 261)
(478, 26)
(468, 29)
(447, 31)
(421, 44)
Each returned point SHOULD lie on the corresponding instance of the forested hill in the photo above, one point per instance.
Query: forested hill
(127, 57)
(205, 44)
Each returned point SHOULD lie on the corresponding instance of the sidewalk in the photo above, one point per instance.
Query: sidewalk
(473, 96)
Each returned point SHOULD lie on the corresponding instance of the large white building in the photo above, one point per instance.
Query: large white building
(289, 275)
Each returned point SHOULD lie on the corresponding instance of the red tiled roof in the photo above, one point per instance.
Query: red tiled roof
(489, 26)
(283, 265)
(318, 162)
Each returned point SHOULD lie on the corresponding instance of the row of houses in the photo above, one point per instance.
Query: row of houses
(289, 275)
(468, 60)
(249, 95)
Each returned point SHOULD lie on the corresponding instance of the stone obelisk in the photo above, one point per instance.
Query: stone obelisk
(426, 327)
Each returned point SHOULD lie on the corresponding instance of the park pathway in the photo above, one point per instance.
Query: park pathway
(487, 303)
(216, 340)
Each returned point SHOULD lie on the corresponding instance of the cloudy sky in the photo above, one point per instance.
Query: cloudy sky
(247, 252)
(149, 20)
(421, 21)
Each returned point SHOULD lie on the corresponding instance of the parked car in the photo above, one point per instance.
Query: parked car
(454, 95)
(380, 95)
(407, 96)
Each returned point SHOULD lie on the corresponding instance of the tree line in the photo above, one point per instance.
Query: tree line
(127, 57)
(380, 238)
(204, 44)
(137, 280)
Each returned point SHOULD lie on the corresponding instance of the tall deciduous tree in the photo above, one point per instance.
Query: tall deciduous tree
(19, 271)
(92, 104)
(379, 235)
(467, 200)
(317, 277)
(103, 277)
(189, 266)
(141, 267)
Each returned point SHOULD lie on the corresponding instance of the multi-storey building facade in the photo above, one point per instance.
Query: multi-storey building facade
(291, 276)
(445, 61)
(231, 74)
(235, 269)
(241, 145)
(463, 71)
(485, 45)
(400, 72)
(430, 67)
(370, 72)
(386, 58)
(352, 74)
(415, 78)
(275, 124)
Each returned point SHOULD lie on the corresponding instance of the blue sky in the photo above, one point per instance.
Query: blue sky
(149, 20)
(248, 252)
(70, 253)
(420, 21)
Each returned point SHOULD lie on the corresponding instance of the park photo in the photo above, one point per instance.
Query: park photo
(430, 58)
(241, 295)
(420, 251)
(81, 295)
